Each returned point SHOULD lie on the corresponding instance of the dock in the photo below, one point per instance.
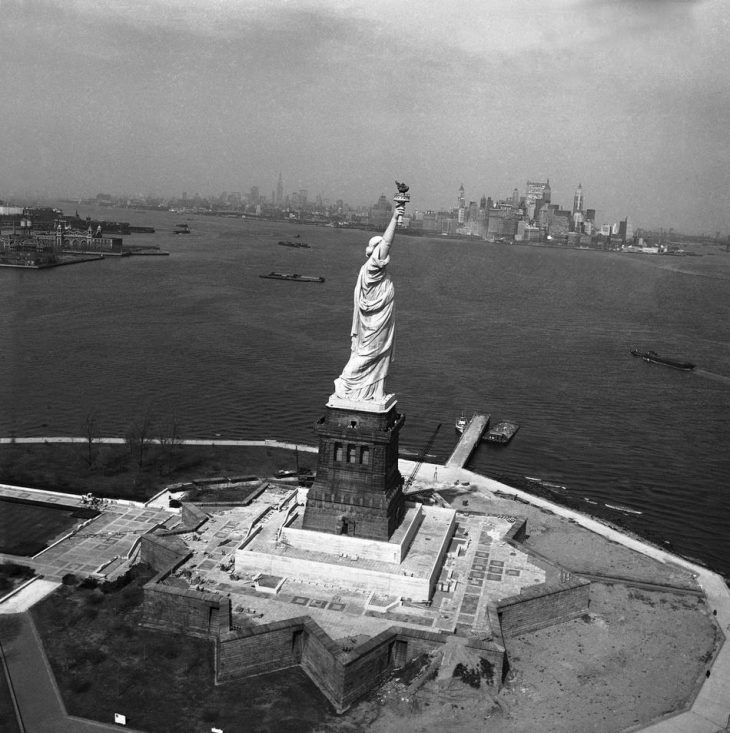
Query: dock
(467, 443)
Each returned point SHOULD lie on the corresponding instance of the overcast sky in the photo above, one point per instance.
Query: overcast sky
(632, 99)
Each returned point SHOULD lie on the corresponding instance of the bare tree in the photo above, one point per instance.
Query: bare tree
(139, 437)
(168, 436)
(90, 431)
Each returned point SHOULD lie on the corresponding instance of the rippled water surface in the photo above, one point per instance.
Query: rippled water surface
(539, 336)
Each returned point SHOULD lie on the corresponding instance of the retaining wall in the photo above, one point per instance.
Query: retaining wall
(342, 676)
(185, 611)
(542, 606)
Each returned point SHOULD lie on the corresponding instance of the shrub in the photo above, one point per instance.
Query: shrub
(210, 715)
(79, 684)
(94, 598)
(94, 655)
(469, 676)
(69, 579)
(13, 570)
(487, 670)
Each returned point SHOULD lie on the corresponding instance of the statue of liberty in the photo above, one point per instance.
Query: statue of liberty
(373, 319)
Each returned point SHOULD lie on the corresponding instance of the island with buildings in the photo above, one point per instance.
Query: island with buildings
(455, 601)
(527, 216)
(42, 237)
(29, 235)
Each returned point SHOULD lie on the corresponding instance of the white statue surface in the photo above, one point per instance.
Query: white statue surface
(373, 323)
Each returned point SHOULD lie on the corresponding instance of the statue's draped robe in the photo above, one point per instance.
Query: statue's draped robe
(373, 332)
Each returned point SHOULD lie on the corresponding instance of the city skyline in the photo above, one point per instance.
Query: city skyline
(627, 98)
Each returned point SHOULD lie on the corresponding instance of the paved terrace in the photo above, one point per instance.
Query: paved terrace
(480, 569)
(103, 545)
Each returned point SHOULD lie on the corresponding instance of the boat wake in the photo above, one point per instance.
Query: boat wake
(623, 509)
(714, 377)
(549, 485)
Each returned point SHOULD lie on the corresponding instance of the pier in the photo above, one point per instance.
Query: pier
(471, 436)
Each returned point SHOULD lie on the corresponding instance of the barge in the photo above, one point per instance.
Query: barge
(294, 277)
(502, 432)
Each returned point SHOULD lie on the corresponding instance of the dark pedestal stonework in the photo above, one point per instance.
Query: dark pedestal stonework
(358, 488)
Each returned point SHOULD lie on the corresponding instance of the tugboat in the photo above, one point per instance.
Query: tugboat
(654, 358)
(294, 277)
(182, 229)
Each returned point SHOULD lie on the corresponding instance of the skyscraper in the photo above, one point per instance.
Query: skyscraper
(578, 199)
(536, 192)
(279, 192)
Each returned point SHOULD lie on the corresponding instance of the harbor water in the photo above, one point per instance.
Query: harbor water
(539, 336)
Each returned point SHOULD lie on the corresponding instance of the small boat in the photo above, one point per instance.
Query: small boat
(182, 229)
(302, 245)
(654, 358)
(622, 508)
(294, 276)
(502, 432)
(461, 422)
(407, 453)
(282, 473)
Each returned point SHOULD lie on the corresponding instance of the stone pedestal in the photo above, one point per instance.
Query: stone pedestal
(358, 488)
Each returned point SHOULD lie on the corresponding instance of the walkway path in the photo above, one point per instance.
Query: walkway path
(38, 698)
(27, 596)
(121, 441)
(470, 437)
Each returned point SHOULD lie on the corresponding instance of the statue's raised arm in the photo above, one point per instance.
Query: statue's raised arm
(373, 319)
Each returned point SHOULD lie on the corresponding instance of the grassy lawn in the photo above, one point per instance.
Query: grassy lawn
(115, 471)
(105, 663)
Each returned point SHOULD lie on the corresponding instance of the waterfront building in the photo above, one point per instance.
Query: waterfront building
(381, 212)
(502, 223)
(552, 220)
(11, 210)
(628, 229)
(527, 232)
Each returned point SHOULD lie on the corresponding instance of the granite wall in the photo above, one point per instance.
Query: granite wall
(544, 605)
(342, 676)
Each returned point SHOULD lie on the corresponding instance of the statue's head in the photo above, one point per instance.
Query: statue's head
(372, 244)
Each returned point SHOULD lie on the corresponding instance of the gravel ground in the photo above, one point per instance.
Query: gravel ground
(637, 655)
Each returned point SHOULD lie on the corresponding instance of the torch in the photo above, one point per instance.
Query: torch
(401, 199)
